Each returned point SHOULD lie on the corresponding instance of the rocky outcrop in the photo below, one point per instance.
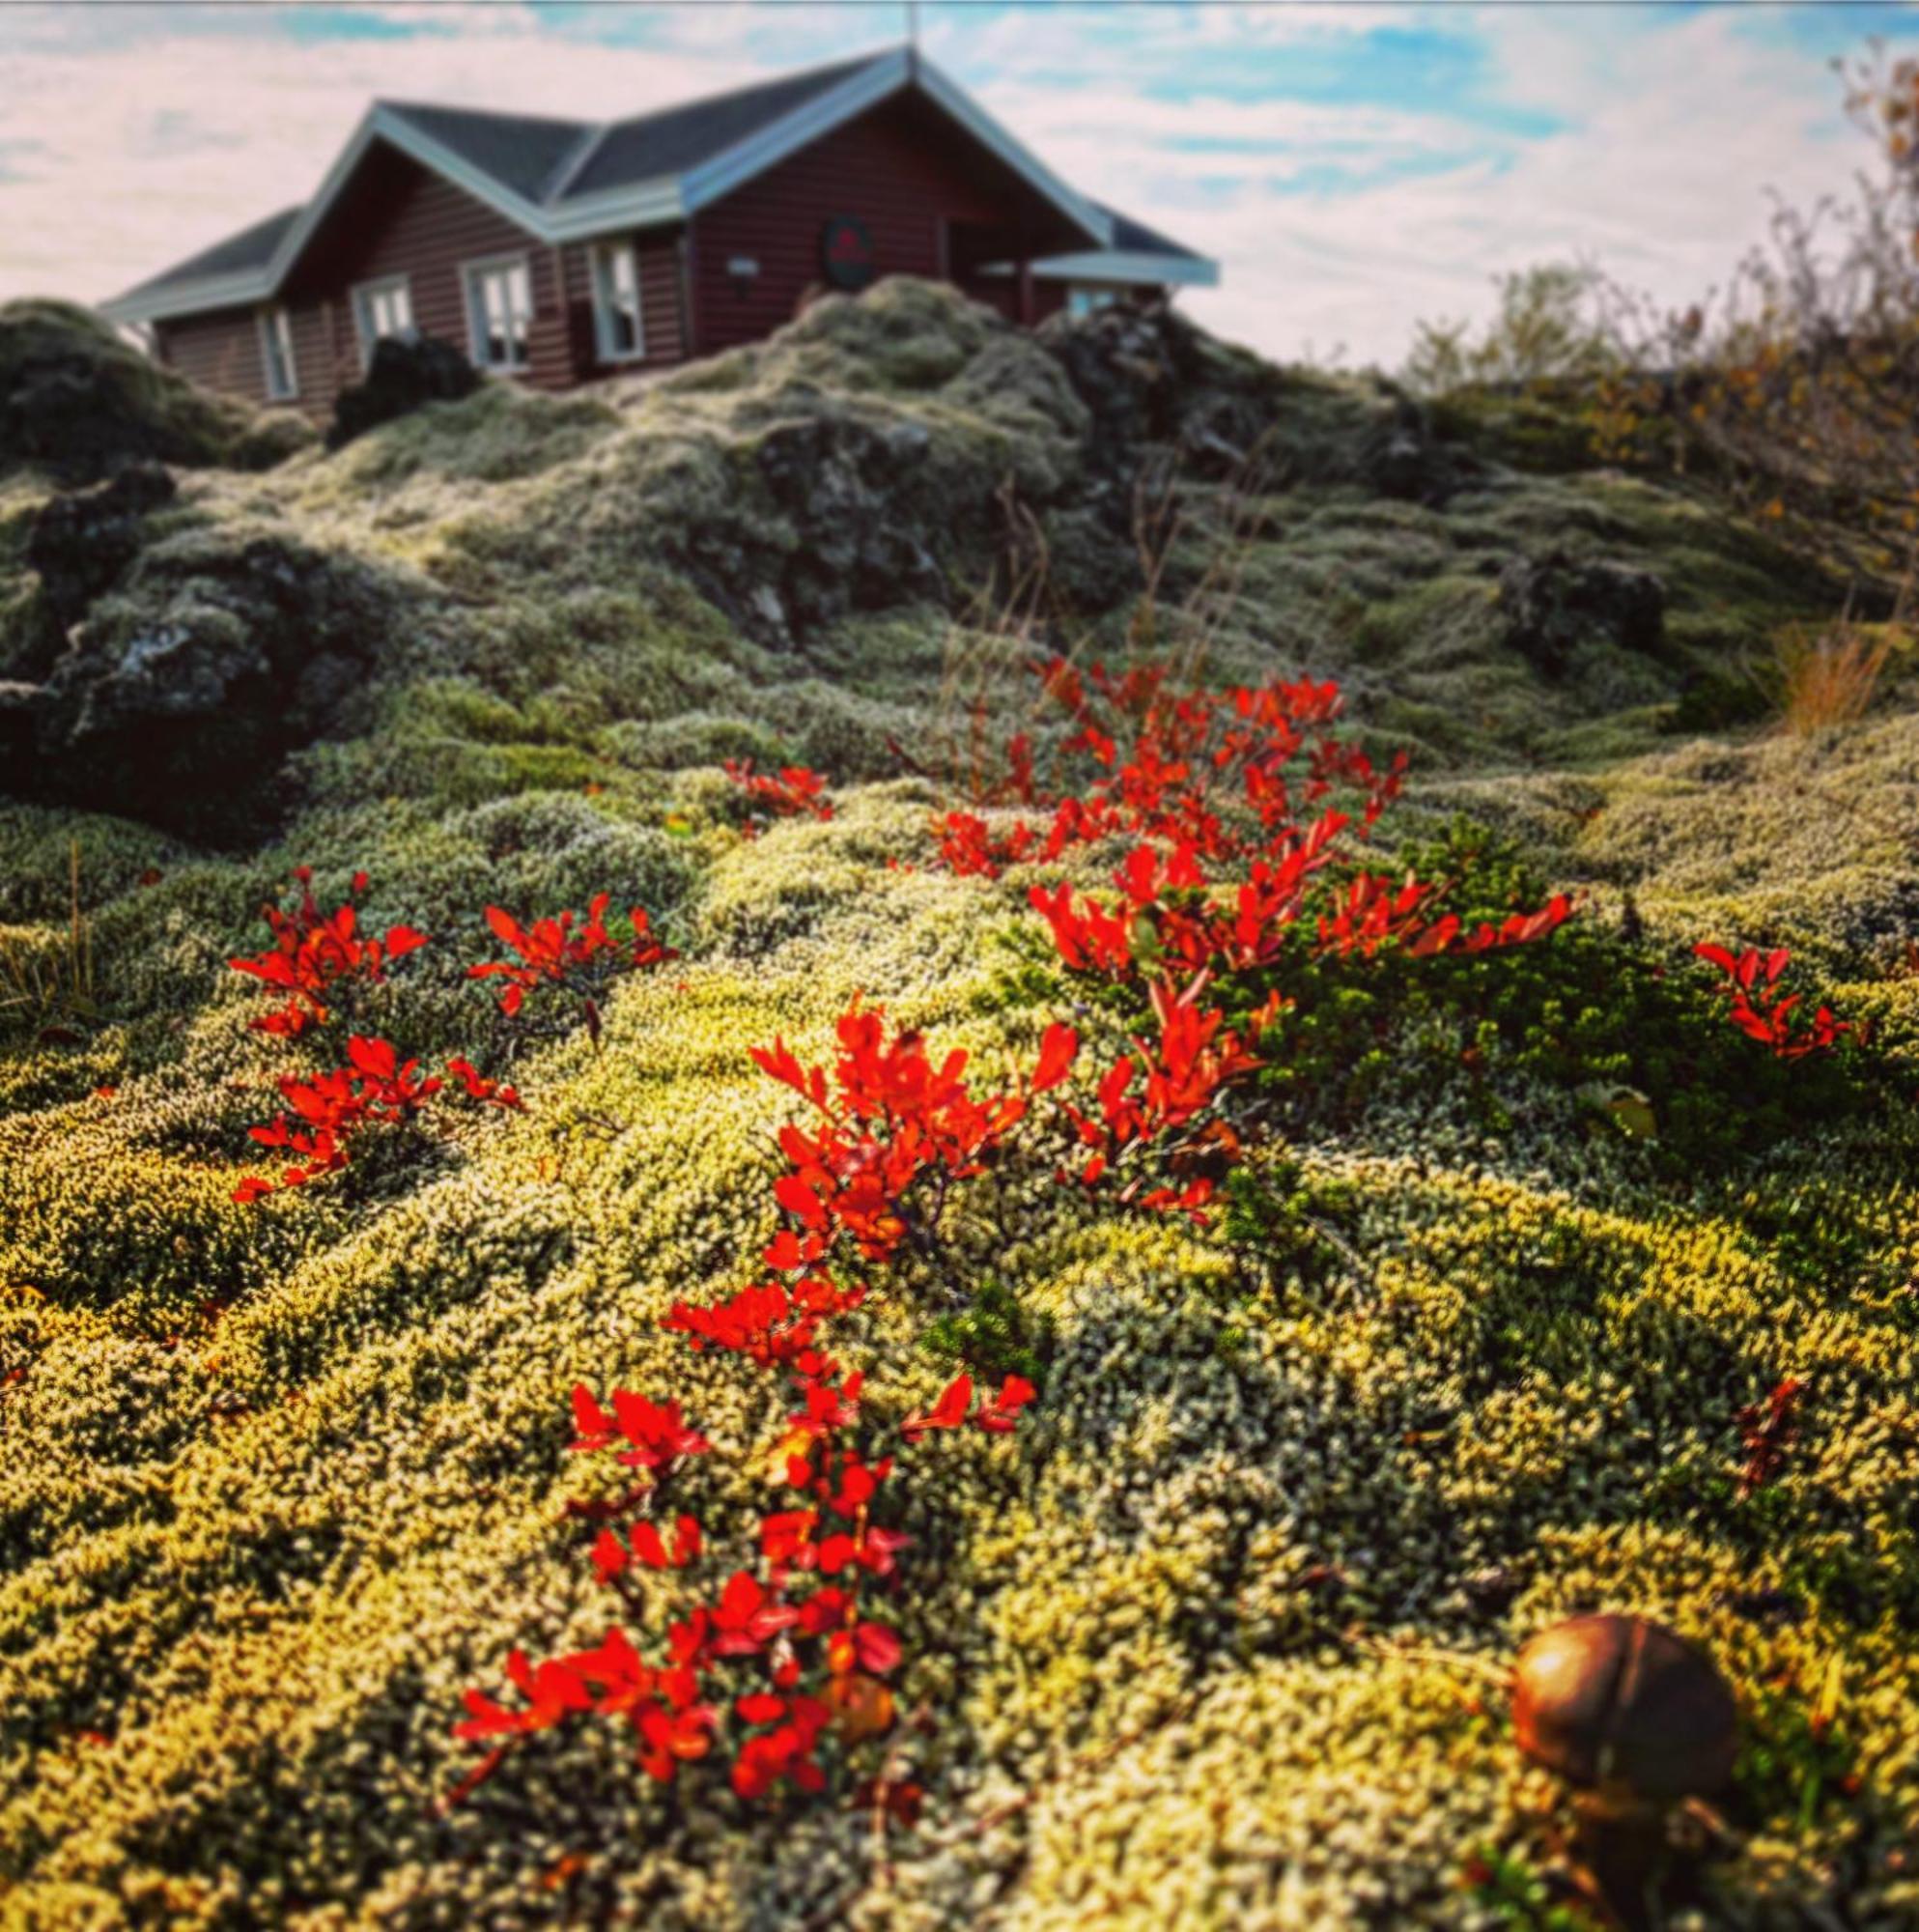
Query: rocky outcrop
(184, 688)
(1148, 376)
(1552, 603)
(402, 377)
(1151, 379)
(911, 446)
(817, 509)
(79, 543)
(80, 403)
(1404, 457)
(831, 478)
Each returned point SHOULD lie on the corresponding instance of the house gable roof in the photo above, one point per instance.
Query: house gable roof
(523, 152)
(563, 179)
(674, 139)
(252, 248)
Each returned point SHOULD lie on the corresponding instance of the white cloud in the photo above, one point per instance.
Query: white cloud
(128, 141)
(1671, 139)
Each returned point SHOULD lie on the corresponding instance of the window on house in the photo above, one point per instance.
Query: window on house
(276, 356)
(1083, 301)
(617, 324)
(499, 311)
(380, 309)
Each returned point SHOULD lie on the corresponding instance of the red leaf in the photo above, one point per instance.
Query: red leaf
(798, 1199)
(878, 1647)
(373, 1057)
(948, 1412)
(594, 1424)
(1058, 1051)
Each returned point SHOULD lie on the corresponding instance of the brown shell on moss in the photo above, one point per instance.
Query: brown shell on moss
(1622, 1701)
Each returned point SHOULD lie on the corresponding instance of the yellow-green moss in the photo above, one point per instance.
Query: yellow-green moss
(1206, 1642)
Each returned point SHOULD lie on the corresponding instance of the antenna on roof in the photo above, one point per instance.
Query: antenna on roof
(912, 33)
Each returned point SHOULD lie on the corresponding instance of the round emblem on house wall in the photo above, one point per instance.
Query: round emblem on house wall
(846, 252)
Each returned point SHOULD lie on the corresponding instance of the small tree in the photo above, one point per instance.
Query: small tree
(1548, 327)
(1796, 385)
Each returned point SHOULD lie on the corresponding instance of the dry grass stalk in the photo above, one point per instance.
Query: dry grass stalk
(1830, 680)
(39, 982)
(987, 688)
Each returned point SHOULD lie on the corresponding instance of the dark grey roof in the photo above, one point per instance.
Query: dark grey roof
(531, 154)
(1135, 237)
(674, 139)
(251, 248)
(522, 152)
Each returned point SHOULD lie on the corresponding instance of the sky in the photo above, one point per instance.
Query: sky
(1354, 168)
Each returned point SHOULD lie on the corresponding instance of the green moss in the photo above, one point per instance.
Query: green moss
(1463, 1355)
(1532, 429)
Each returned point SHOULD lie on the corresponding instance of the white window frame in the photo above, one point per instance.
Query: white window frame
(471, 275)
(276, 332)
(598, 259)
(365, 295)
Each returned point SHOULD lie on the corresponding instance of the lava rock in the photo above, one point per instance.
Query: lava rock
(848, 487)
(1148, 376)
(1623, 1703)
(1552, 603)
(403, 375)
(79, 544)
(1405, 458)
(181, 691)
(834, 512)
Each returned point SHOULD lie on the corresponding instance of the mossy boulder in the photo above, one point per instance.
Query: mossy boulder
(80, 542)
(177, 697)
(403, 375)
(78, 401)
(1553, 604)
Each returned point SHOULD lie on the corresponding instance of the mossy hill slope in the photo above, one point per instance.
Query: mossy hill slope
(279, 1482)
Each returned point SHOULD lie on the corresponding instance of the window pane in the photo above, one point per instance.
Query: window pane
(616, 294)
(501, 298)
(520, 286)
(386, 310)
(277, 337)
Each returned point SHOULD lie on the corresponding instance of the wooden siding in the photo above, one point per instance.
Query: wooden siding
(398, 218)
(220, 351)
(1048, 299)
(904, 171)
(395, 218)
(659, 303)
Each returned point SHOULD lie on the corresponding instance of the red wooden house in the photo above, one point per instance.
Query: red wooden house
(558, 252)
